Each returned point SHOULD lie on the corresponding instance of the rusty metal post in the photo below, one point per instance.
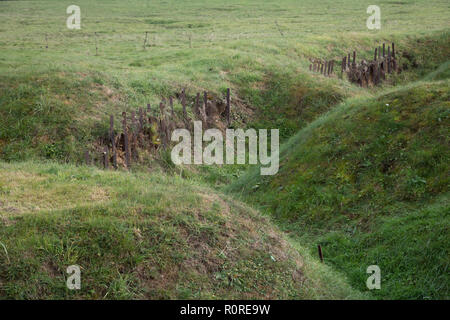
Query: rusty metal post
(171, 105)
(229, 106)
(125, 140)
(205, 105)
(389, 59)
(183, 103)
(113, 140)
(141, 120)
(320, 253)
(106, 158)
(87, 158)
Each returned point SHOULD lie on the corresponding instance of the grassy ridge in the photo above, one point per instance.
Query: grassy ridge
(369, 182)
(139, 236)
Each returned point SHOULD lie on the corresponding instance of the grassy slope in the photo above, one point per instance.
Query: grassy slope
(142, 236)
(369, 181)
(63, 96)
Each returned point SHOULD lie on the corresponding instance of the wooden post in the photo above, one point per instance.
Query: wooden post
(183, 103)
(394, 61)
(375, 56)
(114, 156)
(321, 67)
(134, 146)
(162, 122)
(348, 60)
(320, 253)
(379, 53)
(384, 49)
(229, 106)
(87, 158)
(125, 140)
(148, 108)
(162, 129)
(332, 66)
(111, 128)
(133, 122)
(141, 120)
(205, 105)
(373, 73)
(378, 73)
(197, 103)
(354, 59)
(325, 69)
(112, 138)
(145, 40)
(389, 59)
(161, 108)
(105, 158)
(162, 132)
(171, 104)
(344, 64)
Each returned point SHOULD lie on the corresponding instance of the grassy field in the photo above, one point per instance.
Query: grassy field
(64, 94)
(367, 181)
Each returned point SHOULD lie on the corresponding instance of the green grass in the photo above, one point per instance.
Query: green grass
(369, 181)
(365, 180)
(174, 239)
(63, 95)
